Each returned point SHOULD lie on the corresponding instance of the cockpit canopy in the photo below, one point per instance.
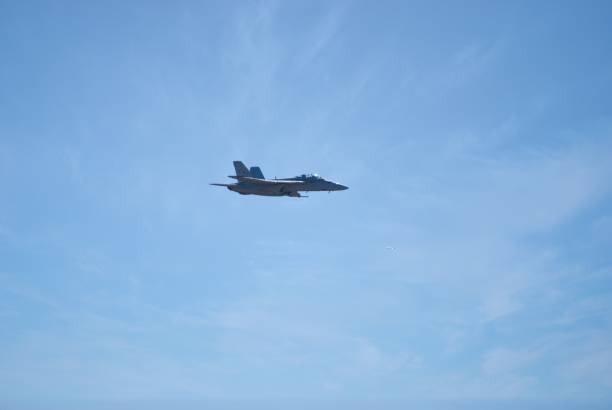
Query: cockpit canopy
(310, 177)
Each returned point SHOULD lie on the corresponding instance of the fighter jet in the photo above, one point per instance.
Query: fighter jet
(252, 182)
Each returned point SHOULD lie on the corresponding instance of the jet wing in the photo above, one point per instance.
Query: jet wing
(258, 181)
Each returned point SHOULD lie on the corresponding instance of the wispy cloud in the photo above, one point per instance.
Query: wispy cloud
(460, 67)
(321, 34)
(502, 361)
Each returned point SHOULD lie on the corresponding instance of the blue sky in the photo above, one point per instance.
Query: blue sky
(468, 263)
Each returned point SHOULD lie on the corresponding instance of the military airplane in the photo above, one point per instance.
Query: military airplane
(252, 182)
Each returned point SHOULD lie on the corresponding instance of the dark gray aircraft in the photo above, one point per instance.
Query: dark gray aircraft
(253, 182)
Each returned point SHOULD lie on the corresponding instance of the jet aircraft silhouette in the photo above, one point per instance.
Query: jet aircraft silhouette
(252, 182)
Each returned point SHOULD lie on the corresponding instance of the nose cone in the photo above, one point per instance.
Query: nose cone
(340, 187)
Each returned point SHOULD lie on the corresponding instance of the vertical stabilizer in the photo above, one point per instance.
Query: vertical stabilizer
(256, 173)
(241, 169)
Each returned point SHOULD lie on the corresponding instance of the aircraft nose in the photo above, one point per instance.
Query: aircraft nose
(341, 187)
